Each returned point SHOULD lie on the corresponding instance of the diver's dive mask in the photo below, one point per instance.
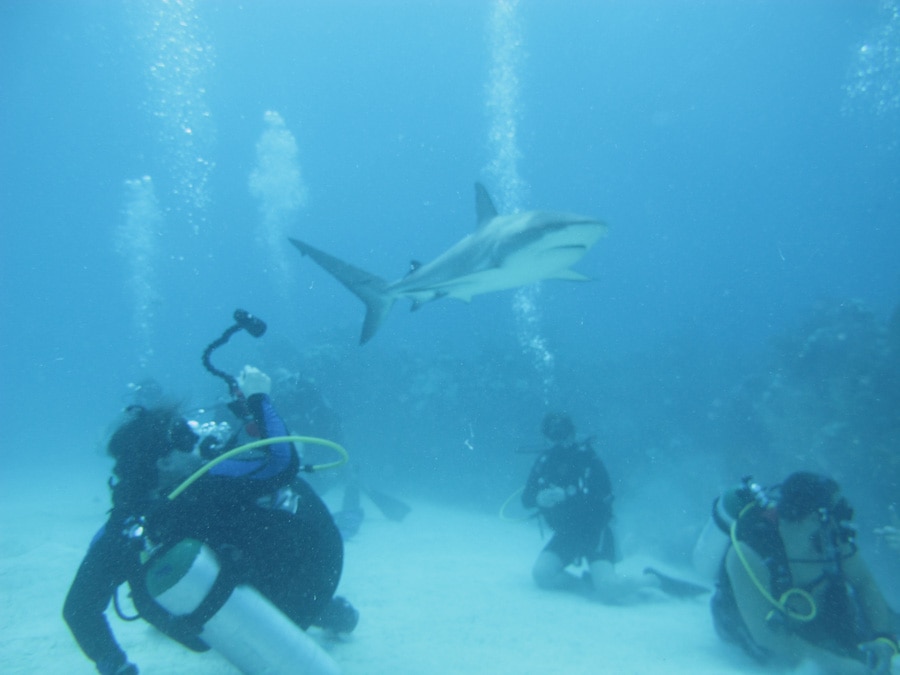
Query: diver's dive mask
(181, 436)
(840, 518)
(213, 437)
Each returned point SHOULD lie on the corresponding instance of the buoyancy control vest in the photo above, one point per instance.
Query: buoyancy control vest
(833, 623)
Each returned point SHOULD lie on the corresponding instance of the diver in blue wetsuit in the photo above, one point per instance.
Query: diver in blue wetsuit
(266, 527)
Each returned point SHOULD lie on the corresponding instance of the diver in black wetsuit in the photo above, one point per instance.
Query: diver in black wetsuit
(571, 488)
(266, 526)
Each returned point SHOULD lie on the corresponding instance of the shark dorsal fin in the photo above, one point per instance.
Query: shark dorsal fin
(484, 207)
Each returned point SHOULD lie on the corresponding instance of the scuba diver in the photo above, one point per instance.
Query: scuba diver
(572, 490)
(241, 557)
(792, 586)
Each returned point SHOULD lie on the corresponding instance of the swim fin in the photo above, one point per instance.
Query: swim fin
(677, 588)
(392, 508)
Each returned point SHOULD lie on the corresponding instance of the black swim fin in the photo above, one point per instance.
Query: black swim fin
(677, 588)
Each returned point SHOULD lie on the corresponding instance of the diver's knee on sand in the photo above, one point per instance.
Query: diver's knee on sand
(549, 572)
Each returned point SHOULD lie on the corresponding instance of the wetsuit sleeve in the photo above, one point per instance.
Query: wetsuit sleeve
(277, 458)
(103, 569)
(601, 484)
(599, 492)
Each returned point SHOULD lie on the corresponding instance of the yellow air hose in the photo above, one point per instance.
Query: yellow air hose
(506, 504)
(781, 603)
(259, 444)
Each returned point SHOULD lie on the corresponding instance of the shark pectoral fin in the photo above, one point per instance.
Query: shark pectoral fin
(371, 289)
(570, 275)
(418, 302)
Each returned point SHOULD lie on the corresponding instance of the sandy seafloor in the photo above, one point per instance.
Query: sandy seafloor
(445, 591)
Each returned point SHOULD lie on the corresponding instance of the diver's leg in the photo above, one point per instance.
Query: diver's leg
(549, 571)
(617, 588)
(610, 586)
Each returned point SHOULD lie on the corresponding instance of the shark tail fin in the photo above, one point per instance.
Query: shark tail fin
(371, 289)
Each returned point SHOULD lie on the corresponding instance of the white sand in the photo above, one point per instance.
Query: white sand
(443, 592)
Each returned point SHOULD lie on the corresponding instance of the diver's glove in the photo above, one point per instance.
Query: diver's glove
(252, 381)
(550, 497)
(891, 535)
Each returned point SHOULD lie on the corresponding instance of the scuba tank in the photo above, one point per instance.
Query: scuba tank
(237, 621)
(715, 538)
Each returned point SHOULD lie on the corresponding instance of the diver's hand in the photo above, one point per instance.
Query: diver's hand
(252, 381)
(891, 535)
(878, 654)
(550, 497)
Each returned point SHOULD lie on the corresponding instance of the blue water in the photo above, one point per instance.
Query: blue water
(744, 154)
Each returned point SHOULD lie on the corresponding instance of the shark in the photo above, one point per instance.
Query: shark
(504, 252)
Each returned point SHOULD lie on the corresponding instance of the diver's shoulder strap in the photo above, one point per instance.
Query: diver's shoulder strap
(756, 528)
(222, 588)
(231, 574)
